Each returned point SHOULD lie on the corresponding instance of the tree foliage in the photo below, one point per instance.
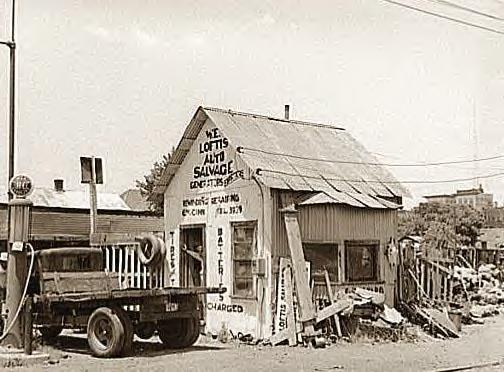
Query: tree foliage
(146, 186)
(443, 225)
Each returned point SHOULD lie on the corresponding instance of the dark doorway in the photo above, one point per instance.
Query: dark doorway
(192, 256)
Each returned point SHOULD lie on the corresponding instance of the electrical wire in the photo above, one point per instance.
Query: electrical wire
(380, 181)
(434, 14)
(467, 9)
(23, 297)
(424, 164)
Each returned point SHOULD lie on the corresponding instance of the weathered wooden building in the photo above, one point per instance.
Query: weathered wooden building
(61, 217)
(224, 190)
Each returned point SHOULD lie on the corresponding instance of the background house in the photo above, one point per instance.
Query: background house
(225, 187)
(475, 197)
(61, 217)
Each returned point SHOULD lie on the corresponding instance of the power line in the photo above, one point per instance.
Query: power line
(324, 160)
(434, 14)
(383, 182)
(467, 9)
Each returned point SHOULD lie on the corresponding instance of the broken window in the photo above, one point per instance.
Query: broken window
(361, 261)
(322, 256)
(244, 250)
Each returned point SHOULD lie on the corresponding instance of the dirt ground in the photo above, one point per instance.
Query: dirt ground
(479, 343)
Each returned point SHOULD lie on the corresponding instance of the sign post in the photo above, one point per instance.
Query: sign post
(92, 174)
(19, 226)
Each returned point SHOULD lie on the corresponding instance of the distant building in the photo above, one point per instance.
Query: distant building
(475, 197)
(490, 245)
(61, 218)
(135, 200)
(494, 217)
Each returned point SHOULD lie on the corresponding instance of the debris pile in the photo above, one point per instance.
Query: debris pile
(482, 290)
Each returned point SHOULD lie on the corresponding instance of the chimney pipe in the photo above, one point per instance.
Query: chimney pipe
(58, 185)
(287, 111)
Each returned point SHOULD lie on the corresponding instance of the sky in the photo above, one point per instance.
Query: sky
(122, 79)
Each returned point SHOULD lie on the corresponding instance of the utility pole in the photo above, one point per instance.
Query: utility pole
(11, 44)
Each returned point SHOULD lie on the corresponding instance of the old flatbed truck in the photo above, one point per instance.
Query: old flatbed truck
(70, 288)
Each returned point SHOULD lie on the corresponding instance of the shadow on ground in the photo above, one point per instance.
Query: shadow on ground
(151, 348)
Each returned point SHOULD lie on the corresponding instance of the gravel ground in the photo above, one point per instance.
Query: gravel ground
(479, 343)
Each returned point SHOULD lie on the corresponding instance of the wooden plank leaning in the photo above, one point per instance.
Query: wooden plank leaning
(307, 308)
(331, 301)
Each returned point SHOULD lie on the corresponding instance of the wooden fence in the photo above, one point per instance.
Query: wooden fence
(435, 276)
(122, 258)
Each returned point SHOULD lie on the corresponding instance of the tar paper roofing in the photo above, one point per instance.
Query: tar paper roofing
(296, 155)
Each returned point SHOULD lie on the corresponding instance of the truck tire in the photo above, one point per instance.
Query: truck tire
(149, 251)
(51, 332)
(105, 333)
(129, 332)
(145, 330)
(179, 333)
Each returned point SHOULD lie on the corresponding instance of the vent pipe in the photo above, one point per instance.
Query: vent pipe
(287, 112)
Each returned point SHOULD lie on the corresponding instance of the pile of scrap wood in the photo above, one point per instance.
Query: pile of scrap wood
(338, 316)
(435, 321)
(291, 324)
(439, 319)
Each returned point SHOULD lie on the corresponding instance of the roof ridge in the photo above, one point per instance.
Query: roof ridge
(298, 122)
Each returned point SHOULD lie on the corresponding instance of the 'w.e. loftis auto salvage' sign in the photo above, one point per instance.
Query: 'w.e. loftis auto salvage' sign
(216, 169)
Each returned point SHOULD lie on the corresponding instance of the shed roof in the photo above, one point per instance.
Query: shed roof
(295, 155)
(75, 199)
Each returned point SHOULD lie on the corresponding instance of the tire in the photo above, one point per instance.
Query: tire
(105, 333)
(145, 330)
(150, 246)
(129, 332)
(179, 333)
(51, 332)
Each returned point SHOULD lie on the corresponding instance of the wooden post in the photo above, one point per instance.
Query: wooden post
(331, 301)
(93, 207)
(28, 325)
(306, 306)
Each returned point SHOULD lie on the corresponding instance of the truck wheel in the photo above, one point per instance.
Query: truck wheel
(105, 333)
(145, 330)
(50, 332)
(128, 330)
(179, 333)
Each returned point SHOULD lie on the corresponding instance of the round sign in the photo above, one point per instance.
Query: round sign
(21, 186)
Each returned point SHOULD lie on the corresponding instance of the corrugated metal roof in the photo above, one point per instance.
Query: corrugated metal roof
(295, 155)
(48, 197)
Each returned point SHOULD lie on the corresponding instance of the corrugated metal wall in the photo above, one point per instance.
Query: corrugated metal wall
(331, 223)
(49, 223)
(334, 223)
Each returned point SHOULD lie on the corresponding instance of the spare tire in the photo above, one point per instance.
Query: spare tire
(149, 251)
(145, 330)
(105, 333)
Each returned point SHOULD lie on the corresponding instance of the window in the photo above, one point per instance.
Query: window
(244, 250)
(361, 261)
(322, 256)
